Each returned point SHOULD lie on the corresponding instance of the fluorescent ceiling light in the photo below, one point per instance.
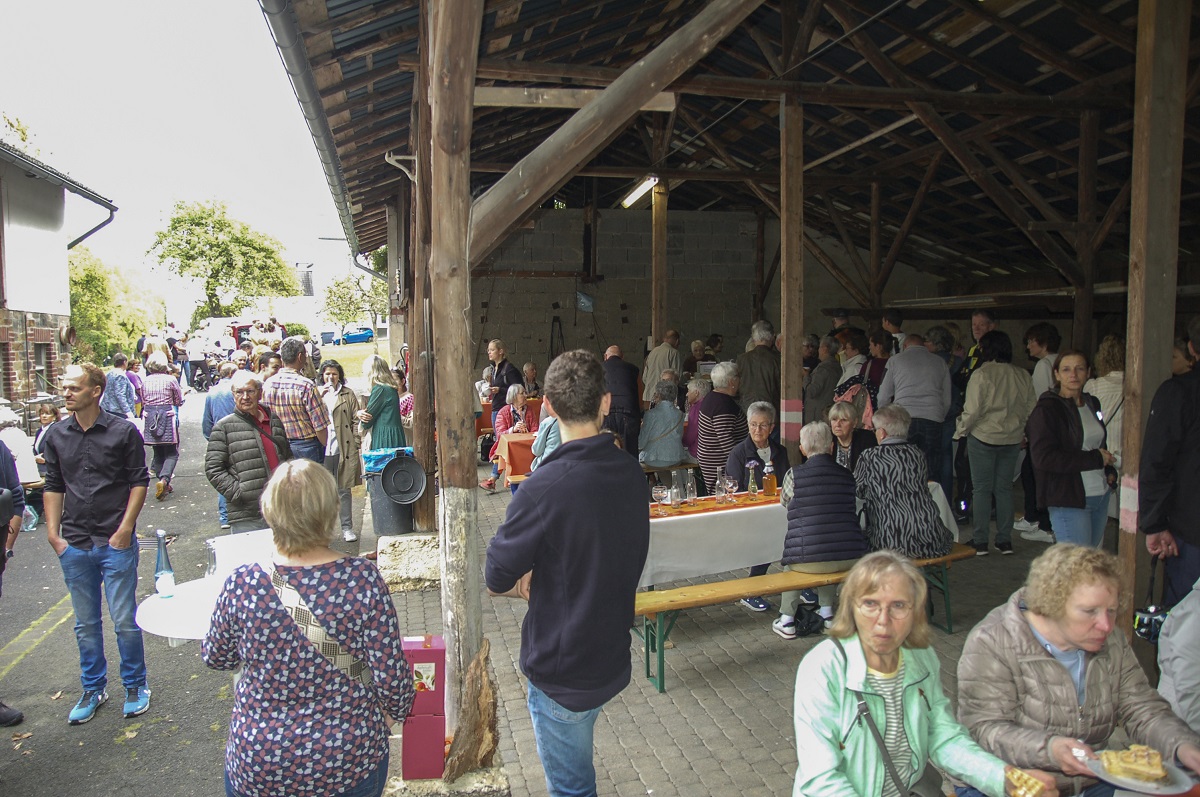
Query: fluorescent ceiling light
(648, 182)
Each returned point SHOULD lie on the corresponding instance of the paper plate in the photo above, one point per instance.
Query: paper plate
(1177, 781)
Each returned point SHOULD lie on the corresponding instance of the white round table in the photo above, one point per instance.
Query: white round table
(184, 616)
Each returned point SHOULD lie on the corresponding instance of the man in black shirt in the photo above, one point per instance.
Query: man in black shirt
(625, 412)
(573, 543)
(96, 482)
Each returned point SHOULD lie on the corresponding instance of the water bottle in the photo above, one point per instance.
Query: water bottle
(29, 519)
(769, 485)
(164, 574)
(751, 485)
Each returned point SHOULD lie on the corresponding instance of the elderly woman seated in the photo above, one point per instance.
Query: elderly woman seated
(851, 441)
(515, 416)
(892, 479)
(1043, 681)
(749, 459)
(660, 442)
(877, 672)
(823, 535)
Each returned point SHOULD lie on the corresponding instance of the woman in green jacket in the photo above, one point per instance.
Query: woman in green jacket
(382, 416)
(879, 654)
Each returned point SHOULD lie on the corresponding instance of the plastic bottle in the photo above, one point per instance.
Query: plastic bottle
(164, 574)
(752, 486)
(29, 519)
(769, 485)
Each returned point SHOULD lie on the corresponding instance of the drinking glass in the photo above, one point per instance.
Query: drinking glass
(731, 488)
(662, 496)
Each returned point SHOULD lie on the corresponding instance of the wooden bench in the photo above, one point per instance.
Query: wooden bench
(652, 470)
(659, 609)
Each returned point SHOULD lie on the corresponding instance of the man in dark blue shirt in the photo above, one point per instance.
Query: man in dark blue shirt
(96, 482)
(573, 544)
(624, 415)
(12, 528)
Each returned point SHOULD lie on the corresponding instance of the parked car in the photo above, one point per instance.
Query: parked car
(357, 335)
(327, 337)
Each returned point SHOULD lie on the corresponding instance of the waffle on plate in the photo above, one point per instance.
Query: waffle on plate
(1024, 784)
(1138, 763)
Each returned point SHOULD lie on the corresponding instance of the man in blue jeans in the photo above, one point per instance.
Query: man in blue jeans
(96, 480)
(573, 544)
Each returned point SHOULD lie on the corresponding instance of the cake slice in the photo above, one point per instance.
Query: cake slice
(1139, 762)
(1023, 784)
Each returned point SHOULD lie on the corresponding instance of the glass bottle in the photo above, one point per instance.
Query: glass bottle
(769, 485)
(164, 574)
(751, 485)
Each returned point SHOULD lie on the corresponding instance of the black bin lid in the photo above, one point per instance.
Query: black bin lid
(403, 480)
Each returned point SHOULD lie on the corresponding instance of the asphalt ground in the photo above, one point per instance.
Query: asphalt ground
(177, 747)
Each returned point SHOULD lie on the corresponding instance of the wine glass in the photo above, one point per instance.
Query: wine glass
(663, 496)
(731, 488)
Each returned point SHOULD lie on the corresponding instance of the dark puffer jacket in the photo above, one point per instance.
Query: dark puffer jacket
(1055, 435)
(236, 465)
(822, 523)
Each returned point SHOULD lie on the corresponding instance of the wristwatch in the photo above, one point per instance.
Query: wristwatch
(9, 554)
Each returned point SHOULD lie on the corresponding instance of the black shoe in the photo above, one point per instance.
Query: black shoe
(1005, 548)
(981, 549)
(9, 716)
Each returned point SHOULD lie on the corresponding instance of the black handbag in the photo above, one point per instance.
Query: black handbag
(1147, 622)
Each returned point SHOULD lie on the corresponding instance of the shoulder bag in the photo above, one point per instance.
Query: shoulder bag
(1147, 622)
(930, 782)
(333, 651)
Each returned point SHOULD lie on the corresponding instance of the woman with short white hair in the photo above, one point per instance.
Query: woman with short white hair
(893, 481)
(720, 424)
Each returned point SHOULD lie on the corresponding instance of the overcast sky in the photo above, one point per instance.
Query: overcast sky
(150, 103)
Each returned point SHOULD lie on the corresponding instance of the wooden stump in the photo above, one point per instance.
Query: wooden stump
(474, 744)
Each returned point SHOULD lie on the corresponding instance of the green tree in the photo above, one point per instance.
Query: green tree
(107, 311)
(233, 262)
(350, 298)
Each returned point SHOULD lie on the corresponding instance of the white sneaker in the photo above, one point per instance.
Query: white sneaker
(1025, 525)
(349, 536)
(1037, 535)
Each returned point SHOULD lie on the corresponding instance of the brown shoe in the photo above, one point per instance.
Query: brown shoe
(160, 489)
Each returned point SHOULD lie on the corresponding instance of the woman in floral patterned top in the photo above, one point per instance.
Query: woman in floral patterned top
(301, 725)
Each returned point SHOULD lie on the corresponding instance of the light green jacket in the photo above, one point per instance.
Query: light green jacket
(838, 755)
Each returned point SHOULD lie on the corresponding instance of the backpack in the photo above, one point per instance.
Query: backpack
(854, 390)
(808, 621)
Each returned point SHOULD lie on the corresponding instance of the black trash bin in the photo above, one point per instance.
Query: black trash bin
(393, 492)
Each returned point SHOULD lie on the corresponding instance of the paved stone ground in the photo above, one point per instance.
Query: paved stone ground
(724, 725)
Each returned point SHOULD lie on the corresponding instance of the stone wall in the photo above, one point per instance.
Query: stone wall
(23, 336)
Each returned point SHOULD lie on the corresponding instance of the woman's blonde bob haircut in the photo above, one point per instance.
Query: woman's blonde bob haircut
(300, 504)
(867, 576)
(1054, 575)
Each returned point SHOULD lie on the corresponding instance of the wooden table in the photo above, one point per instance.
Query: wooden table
(516, 455)
(695, 543)
(483, 421)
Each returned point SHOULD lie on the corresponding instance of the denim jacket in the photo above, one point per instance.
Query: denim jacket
(837, 754)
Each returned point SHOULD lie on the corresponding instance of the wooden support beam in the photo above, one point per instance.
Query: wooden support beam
(910, 218)
(876, 253)
(658, 261)
(1013, 172)
(1115, 210)
(839, 224)
(760, 265)
(530, 97)
(544, 170)
(1162, 49)
(1085, 254)
(847, 95)
(637, 172)
(454, 35)
(791, 280)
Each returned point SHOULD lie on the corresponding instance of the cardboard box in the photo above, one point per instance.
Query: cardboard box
(423, 753)
(429, 673)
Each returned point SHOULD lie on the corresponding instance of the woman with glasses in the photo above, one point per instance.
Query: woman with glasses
(878, 658)
(1043, 681)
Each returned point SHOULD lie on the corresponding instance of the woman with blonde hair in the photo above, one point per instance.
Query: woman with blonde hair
(382, 415)
(878, 671)
(1109, 387)
(315, 632)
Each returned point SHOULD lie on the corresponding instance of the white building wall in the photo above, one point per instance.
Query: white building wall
(35, 243)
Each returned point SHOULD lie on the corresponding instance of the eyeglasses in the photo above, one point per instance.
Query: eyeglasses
(897, 610)
(758, 427)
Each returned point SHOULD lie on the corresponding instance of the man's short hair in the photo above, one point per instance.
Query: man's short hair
(291, 350)
(92, 375)
(246, 346)
(574, 384)
(983, 312)
(893, 419)
(242, 378)
(939, 338)
(893, 316)
(913, 339)
(723, 374)
(1044, 334)
(120, 360)
(265, 358)
(226, 370)
(831, 344)
(762, 332)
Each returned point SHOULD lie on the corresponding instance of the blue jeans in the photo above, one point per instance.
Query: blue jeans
(1099, 790)
(223, 509)
(116, 569)
(564, 743)
(992, 469)
(372, 785)
(308, 448)
(1081, 526)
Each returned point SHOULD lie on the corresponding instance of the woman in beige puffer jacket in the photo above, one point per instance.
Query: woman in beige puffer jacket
(1021, 702)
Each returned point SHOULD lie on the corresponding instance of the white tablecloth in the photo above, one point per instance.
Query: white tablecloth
(713, 542)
